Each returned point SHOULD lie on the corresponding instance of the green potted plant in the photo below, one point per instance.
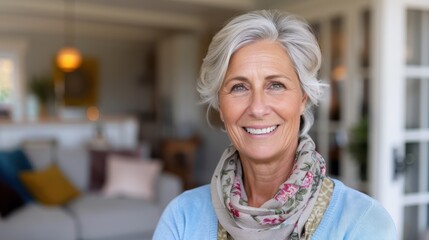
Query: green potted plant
(358, 146)
(42, 87)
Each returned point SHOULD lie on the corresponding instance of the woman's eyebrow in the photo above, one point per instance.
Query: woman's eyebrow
(270, 77)
(239, 78)
(242, 78)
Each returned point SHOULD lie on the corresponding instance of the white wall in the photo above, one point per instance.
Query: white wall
(179, 59)
(186, 110)
(178, 72)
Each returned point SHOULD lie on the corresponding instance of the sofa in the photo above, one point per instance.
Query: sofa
(89, 214)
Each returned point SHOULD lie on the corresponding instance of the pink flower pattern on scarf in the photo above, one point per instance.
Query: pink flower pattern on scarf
(234, 211)
(236, 188)
(308, 180)
(285, 192)
(323, 170)
(272, 221)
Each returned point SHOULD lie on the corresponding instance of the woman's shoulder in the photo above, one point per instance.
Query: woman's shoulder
(189, 216)
(192, 201)
(354, 214)
(346, 196)
(199, 195)
(356, 202)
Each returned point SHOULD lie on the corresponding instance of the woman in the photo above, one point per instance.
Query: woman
(260, 74)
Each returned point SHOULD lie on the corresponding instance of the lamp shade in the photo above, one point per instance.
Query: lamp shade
(68, 59)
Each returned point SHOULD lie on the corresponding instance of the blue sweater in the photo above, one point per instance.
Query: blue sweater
(350, 215)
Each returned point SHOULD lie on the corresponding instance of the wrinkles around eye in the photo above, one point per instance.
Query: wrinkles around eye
(238, 88)
(277, 86)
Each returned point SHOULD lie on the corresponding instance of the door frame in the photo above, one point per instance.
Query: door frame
(388, 134)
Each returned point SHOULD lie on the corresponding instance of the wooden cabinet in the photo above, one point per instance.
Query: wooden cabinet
(179, 158)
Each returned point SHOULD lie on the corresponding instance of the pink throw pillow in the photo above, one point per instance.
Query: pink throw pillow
(131, 177)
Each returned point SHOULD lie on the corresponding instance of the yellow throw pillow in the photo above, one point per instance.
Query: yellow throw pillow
(49, 186)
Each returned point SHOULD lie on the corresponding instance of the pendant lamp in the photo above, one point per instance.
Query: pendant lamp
(68, 58)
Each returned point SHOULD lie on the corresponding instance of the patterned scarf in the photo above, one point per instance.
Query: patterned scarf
(283, 216)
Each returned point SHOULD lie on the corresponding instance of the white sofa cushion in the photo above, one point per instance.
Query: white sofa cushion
(74, 162)
(37, 222)
(41, 152)
(102, 217)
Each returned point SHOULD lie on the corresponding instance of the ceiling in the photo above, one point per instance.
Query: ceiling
(140, 20)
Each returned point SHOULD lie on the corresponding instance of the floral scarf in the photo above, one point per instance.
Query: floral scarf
(283, 216)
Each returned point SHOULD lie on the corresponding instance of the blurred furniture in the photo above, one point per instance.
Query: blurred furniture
(91, 215)
(179, 158)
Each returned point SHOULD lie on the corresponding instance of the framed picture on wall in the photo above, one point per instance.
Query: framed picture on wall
(78, 88)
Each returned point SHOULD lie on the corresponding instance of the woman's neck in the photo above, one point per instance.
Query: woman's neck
(262, 180)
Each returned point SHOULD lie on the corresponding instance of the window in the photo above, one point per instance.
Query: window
(7, 66)
(345, 106)
(11, 84)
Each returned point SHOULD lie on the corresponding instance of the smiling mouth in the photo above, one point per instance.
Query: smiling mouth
(260, 131)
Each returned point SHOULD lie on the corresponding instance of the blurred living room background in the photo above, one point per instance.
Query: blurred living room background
(99, 95)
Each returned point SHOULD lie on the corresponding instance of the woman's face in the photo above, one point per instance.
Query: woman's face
(261, 102)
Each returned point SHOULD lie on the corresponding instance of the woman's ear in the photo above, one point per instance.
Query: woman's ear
(220, 115)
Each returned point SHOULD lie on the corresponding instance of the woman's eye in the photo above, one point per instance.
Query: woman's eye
(277, 86)
(238, 88)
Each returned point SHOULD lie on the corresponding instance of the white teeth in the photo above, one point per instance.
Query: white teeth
(258, 131)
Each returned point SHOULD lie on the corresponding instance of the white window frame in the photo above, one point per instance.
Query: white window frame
(17, 50)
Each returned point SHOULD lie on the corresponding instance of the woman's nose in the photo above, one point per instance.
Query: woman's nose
(258, 106)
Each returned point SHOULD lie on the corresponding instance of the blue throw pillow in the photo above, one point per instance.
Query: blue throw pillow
(11, 163)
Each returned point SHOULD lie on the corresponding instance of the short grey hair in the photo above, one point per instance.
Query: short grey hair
(293, 33)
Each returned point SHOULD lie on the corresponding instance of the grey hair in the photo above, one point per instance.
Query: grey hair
(293, 33)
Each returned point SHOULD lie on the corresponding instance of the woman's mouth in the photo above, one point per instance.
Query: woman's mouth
(260, 131)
